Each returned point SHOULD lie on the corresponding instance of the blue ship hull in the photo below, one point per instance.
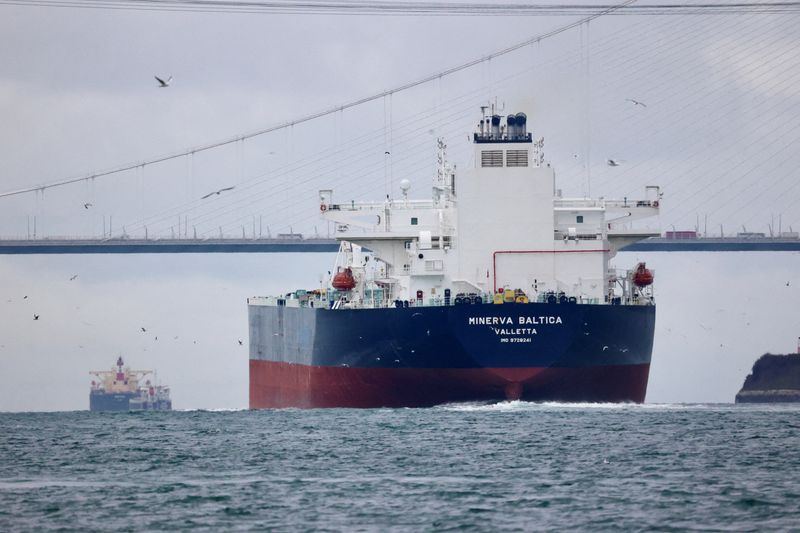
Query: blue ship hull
(307, 357)
(102, 401)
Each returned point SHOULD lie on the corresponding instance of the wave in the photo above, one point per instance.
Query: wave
(519, 405)
(213, 410)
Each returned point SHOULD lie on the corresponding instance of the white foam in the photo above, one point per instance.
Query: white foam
(213, 410)
(519, 405)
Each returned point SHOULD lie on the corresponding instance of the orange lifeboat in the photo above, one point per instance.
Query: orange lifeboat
(344, 280)
(642, 277)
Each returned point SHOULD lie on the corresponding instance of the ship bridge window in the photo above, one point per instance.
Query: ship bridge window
(414, 221)
(579, 219)
(492, 158)
(434, 266)
(517, 158)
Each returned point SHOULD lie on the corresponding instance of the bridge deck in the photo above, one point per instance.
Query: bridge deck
(196, 246)
(166, 246)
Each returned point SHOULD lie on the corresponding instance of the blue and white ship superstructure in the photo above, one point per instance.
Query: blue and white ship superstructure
(494, 288)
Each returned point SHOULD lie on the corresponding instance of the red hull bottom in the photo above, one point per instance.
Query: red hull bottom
(275, 385)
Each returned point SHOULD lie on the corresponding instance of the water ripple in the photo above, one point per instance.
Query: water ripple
(512, 466)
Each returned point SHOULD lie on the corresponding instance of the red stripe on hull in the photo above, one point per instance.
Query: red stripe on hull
(275, 385)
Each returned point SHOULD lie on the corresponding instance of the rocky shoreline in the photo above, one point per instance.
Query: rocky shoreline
(774, 379)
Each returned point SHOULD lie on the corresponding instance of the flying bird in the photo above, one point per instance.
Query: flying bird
(25, 297)
(163, 83)
(218, 192)
(614, 162)
(87, 205)
(73, 277)
(636, 102)
(143, 330)
(36, 317)
(240, 342)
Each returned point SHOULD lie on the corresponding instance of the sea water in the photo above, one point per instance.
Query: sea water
(471, 467)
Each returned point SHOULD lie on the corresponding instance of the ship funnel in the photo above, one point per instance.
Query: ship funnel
(496, 126)
(521, 121)
(511, 121)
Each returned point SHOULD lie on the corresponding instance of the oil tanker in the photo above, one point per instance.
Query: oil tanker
(495, 288)
(120, 389)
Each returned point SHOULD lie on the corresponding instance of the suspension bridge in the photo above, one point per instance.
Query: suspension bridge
(700, 101)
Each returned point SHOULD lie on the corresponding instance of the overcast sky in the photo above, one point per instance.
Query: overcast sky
(77, 95)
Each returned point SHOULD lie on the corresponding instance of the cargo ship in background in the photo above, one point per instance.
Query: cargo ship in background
(495, 288)
(120, 389)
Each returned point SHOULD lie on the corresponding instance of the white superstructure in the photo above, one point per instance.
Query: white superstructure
(498, 226)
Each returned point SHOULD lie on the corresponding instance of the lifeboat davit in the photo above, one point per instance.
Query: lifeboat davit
(344, 280)
(642, 277)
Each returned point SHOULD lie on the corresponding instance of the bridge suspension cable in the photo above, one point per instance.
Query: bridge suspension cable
(616, 53)
(326, 112)
(405, 8)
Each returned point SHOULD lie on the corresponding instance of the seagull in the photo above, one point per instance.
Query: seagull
(143, 330)
(25, 297)
(614, 162)
(636, 102)
(386, 153)
(73, 277)
(218, 192)
(240, 342)
(163, 83)
(87, 205)
(36, 317)
(787, 283)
